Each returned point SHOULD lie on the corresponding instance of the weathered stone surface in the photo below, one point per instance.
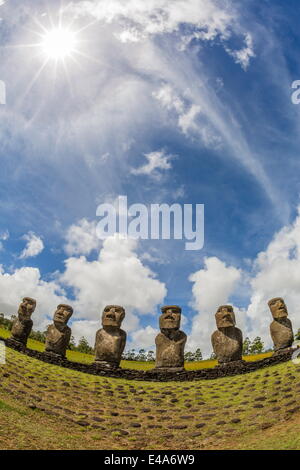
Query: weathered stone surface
(110, 340)
(170, 342)
(281, 328)
(22, 326)
(227, 342)
(59, 334)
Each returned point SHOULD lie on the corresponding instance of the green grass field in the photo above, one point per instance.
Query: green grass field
(88, 358)
(47, 407)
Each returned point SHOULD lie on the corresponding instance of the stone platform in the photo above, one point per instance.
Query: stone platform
(235, 368)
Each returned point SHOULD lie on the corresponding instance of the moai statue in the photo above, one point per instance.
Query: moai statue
(23, 324)
(281, 327)
(59, 334)
(227, 342)
(170, 342)
(110, 340)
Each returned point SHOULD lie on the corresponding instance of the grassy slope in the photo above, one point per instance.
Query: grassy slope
(46, 407)
(88, 359)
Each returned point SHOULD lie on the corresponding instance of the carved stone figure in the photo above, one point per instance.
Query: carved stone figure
(227, 341)
(23, 324)
(110, 340)
(59, 334)
(281, 328)
(170, 342)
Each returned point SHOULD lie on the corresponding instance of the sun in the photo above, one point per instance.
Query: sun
(59, 43)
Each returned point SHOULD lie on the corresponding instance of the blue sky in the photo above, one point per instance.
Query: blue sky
(205, 84)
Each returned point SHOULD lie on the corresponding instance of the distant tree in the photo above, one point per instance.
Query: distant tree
(38, 336)
(129, 355)
(213, 356)
(189, 356)
(150, 356)
(83, 346)
(72, 344)
(257, 346)
(246, 346)
(297, 335)
(198, 355)
(141, 355)
(10, 322)
(6, 323)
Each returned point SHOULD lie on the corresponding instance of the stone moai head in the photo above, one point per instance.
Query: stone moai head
(278, 308)
(62, 315)
(26, 308)
(112, 316)
(170, 318)
(225, 317)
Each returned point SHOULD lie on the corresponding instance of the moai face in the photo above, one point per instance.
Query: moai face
(278, 308)
(225, 317)
(170, 318)
(62, 314)
(113, 315)
(26, 309)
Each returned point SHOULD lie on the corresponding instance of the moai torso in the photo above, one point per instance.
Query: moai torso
(170, 352)
(228, 344)
(227, 341)
(282, 334)
(21, 330)
(281, 328)
(110, 346)
(110, 340)
(22, 326)
(170, 342)
(59, 334)
(57, 341)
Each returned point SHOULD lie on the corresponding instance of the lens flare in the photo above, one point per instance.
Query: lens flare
(59, 43)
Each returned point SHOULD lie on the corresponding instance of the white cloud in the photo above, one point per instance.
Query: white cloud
(27, 282)
(86, 328)
(140, 19)
(143, 338)
(212, 286)
(81, 238)
(159, 160)
(4, 235)
(243, 56)
(34, 246)
(130, 72)
(187, 121)
(116, 277)
(277, 274)
(169, 99)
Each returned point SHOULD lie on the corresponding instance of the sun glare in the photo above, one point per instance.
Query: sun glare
(59, 43)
